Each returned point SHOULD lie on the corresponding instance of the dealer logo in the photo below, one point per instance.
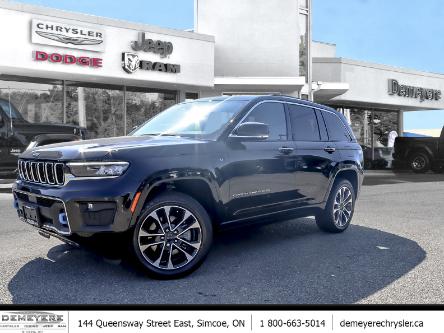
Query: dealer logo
(69, 40)
(38, 320)
(67, 35)
(145, 44)
(131, 63)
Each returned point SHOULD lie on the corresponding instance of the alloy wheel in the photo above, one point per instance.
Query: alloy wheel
(170, 237)
(343, 207)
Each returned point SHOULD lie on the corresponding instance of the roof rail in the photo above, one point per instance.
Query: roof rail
(283, 95)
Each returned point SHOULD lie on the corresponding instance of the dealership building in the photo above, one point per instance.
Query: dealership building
(109, 75)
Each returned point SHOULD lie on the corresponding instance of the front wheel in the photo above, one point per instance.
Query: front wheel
(172, 236)
(338, 212)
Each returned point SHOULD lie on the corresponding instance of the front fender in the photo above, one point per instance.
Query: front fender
(417, 147)
(169, 177)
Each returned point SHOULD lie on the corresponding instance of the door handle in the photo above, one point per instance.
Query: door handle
(330, 149)
(286, 150)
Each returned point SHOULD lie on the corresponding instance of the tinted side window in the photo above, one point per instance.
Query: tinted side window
(322, 128)
(272, 114)
(303, 123)
(335, 127)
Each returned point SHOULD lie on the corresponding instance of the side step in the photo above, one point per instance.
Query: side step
(48, 234)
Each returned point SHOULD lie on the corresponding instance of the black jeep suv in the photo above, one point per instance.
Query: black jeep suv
(193, 168)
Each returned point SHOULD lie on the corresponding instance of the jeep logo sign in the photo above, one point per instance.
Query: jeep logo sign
(159, 47)
(67, 35)
(394, 88)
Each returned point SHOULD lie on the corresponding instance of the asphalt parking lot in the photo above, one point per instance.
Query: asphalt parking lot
(393, 253)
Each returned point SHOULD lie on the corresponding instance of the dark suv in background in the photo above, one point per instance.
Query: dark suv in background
(195, 167)
(17, 134)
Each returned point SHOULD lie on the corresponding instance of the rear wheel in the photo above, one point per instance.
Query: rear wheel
(173, 235)
(338, 212)
(419, 162)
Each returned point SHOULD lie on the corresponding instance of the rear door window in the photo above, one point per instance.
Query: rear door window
(336, 128)
(304, 125)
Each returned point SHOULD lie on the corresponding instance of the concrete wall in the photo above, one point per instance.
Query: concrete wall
(369, 83)
(321, 49)
(253, 37)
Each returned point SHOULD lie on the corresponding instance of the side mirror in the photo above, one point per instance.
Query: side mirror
(251, 131)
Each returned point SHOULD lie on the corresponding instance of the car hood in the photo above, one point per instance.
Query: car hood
(104, 148)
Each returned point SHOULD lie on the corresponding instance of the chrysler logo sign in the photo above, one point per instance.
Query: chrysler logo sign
(132, 63)
(67, 35)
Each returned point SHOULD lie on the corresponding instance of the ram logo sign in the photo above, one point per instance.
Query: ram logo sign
(131, 63)
(67, 35)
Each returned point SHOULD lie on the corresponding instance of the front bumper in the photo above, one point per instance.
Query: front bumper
(80, 207)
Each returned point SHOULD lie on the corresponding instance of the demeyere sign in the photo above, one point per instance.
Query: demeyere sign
(394, 88)
(67, 35)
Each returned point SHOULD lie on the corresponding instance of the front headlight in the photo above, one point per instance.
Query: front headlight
(97, 169)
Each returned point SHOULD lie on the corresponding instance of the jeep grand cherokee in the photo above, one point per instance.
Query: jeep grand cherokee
(195, 167)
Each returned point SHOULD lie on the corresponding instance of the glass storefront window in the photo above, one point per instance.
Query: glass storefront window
(98, 108)
(375, 131)
(143, 104)
(34, 102)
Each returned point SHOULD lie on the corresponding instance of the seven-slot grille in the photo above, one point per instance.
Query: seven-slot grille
(50, 173)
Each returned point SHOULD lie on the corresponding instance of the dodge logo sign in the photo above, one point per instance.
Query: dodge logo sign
(67, 35)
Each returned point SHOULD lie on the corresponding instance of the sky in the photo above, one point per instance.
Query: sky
(396, 32)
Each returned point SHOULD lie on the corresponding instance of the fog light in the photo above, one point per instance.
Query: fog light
(63, 220)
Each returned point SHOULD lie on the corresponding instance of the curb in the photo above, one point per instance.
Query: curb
(6, 188)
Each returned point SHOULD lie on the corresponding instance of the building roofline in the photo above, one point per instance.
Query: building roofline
(92, 19)
(326, 43)
(347, 61)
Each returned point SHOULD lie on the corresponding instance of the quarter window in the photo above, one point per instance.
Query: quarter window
(335, 127)
(303, 123)
(272, 114)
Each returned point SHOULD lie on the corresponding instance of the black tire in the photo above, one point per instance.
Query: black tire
(330, 219)
(419, 162)
(152, 258)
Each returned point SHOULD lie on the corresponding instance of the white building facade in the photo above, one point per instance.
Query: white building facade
(109, 75)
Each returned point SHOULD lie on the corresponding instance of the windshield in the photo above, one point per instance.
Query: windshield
(197, 118)
(11, 112)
